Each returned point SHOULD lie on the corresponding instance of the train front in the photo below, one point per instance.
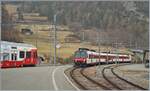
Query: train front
(80, 58)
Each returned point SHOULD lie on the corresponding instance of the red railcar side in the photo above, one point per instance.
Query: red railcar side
(17, 54)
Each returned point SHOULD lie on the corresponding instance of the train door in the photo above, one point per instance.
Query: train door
(90, 59)
(28, 58)
(21, 56)
(34, 57)
(13, 57)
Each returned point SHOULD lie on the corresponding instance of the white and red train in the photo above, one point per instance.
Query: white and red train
(17, 54)
(86, 57)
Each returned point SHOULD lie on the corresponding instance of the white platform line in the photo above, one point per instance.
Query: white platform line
(53, 79)
(71, 82)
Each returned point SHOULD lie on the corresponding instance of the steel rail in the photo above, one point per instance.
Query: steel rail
(131, 83)
(76, 81)
(93, 81)
(108, 80)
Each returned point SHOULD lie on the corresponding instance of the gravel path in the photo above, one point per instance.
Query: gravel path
(135, 73)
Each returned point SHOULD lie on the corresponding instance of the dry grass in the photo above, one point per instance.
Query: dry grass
(35, 18)
(11, 8)
(33, 27)
(45, 47)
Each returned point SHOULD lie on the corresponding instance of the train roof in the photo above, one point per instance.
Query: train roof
(3, 43)
(137, 50)
(101, 53)
(147, 50)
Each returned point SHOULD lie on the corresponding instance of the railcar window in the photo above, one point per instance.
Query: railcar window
(21, 54)
(5, 56)
(28, 54)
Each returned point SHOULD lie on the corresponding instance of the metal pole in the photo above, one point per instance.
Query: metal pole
(55, 16)
(36, 35)
(50, 44)
(107, 55)
(130, 43)
(136, 46)
(83, 36)
(98, 67)
(116, 53)
(99, 48)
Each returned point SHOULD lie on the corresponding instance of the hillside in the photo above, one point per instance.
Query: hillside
(80, 24)
(124, 21)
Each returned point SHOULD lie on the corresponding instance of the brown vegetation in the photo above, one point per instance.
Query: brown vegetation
(8, 33)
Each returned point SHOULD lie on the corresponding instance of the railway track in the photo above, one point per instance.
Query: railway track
(76, 81)
(109, 80)
(118, 82)
(93, 81)
(135, 85)
(87, 81)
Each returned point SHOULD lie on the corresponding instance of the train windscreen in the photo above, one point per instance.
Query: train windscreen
(80, 54)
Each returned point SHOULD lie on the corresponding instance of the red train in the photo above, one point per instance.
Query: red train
(85, 56)
(17, 54)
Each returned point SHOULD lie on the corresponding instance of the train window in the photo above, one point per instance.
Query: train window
(28, 54)
(14, 47)
(5, 56)
(21, 54)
